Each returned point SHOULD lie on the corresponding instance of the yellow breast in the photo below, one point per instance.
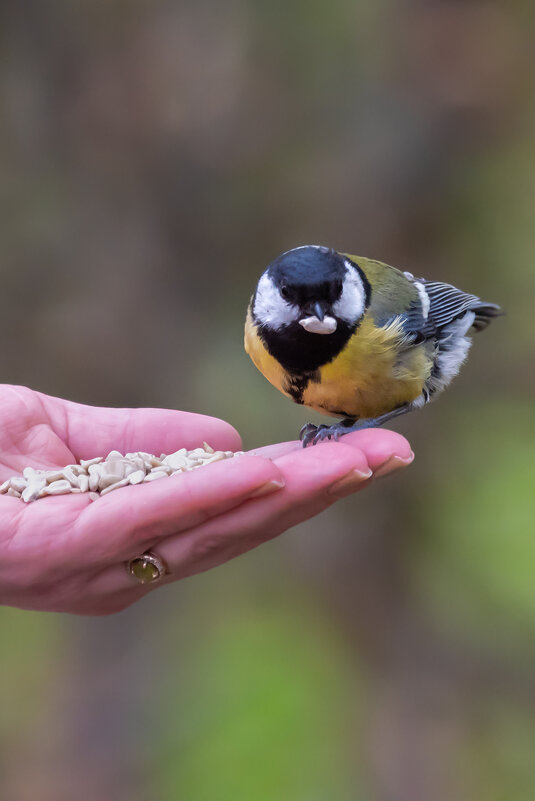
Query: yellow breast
(372, 375)
(262, 359)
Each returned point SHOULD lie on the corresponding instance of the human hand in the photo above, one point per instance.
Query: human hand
(67, 553)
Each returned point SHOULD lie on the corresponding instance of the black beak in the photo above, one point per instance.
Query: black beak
(319, 311)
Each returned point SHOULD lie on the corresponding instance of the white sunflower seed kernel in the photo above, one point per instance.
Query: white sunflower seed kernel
(174, 461)
(86, 463)
(78, 470)
(107, 479)
(163, 468)
(57, 487)
(135, 463)
(122, 483)
(18, 484)
(94, 477)
(218, 455)
(54, 475)
(137, 477)
(197, 452)
(30, 473)
(71, 476)
(113, 455)
(113, 467)
(100, 475)
(155, 475)
(31, 493)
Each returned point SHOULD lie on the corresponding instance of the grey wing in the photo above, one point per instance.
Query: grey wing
(443, 315)
(447, 303)
(437, 306)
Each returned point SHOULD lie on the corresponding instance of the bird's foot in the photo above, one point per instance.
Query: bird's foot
(311, 433)
(314, 434)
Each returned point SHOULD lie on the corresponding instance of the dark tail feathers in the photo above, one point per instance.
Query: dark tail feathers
(485, 314)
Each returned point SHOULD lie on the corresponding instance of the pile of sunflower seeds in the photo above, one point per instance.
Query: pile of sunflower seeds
(101, 475)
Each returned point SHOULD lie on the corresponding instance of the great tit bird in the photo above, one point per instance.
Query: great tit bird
(354, 338)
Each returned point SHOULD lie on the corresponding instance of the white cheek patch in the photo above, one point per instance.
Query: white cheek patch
(316, 326)
(351, 303)
(270, 308)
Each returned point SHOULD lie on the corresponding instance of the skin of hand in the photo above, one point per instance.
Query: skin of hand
(66, 553)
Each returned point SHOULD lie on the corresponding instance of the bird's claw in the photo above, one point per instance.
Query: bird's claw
(308, 434)
(311, 433)
(308, 428)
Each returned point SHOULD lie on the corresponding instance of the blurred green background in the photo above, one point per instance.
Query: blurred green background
(155, 156)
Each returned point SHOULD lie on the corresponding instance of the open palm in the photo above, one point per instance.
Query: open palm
(67, 553)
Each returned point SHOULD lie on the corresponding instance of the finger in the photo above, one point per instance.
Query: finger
(123, 522)
(315, 479)
(94, 431)
(277, 449)
(378, 444)
(309, 475)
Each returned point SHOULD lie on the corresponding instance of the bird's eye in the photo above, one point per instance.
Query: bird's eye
(285, 292)
(336, 290)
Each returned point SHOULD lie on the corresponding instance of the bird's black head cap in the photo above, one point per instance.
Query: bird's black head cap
(308, 265)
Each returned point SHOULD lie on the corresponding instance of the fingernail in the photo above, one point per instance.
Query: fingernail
(349, 483)
(393, 463)
(268, 488)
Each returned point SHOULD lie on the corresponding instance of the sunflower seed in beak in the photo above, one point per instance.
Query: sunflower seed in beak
(316, 326)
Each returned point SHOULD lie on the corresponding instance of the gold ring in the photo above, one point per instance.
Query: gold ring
(147, 568)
